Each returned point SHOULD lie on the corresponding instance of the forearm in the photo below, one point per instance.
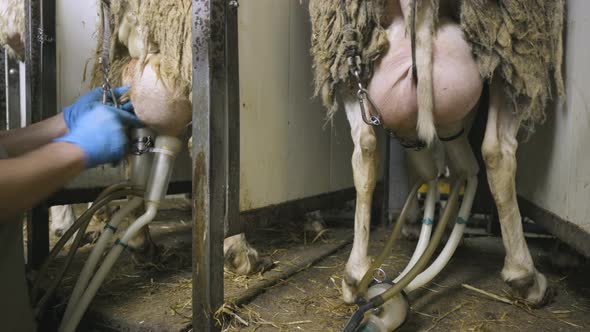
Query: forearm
(22, 140)
(30, 178)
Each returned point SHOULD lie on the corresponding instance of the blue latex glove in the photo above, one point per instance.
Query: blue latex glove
(100, 133)
(73, 112)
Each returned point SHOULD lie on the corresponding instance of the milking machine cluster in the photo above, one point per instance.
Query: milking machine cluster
(385, 306)
(151, 168)
(151, 163)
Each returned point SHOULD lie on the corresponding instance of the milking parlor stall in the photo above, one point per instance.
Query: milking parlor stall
(238, 207)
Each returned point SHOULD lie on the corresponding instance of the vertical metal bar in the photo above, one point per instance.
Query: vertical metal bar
(3, 91)
(37, 236)
(48, 70)
(209, 159)
(40, 59)
(31, 56)
(40, 103)
(233, 104)
(32, 62)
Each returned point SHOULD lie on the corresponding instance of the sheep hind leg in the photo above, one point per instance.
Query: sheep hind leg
(364, 160)
(499, 152)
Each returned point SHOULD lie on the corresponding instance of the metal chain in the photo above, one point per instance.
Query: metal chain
(103, 60)
(351, 36)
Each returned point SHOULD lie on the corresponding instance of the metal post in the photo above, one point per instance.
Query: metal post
(3, 91)
(233, 104)
(40, 60)
(210, 159)
(37, 236)
(32, 62)
(41, 102)
(48, 70)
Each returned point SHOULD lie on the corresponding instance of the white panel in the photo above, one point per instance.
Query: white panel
(286, 153)
(554, 167)
(76, 23)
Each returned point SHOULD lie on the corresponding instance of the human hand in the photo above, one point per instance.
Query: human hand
(85, 103)
(100, 133)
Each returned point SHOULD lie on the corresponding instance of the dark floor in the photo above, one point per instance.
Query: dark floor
(156, 297)
(310, 301)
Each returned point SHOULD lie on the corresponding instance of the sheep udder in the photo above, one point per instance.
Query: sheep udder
(155, 105)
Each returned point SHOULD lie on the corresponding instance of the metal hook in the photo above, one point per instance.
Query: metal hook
(373, 120)
(363, 94)
(108, 92)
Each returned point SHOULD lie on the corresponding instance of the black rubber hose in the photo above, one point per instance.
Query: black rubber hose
(70, 232)
(357, 318)
(80, 225)
(115, 187)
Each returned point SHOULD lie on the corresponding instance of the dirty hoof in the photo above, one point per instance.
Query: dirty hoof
(532, 288)
(550, 294)
(349, 289)
(241, 258)
(264, 264)
(246, 262)
(355, 270)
